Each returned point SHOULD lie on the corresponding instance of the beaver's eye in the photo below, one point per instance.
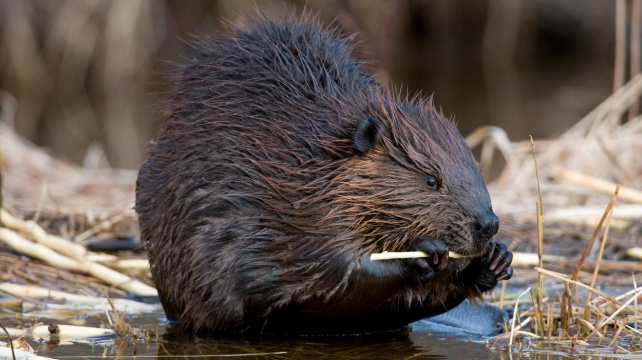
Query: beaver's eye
(432, 182)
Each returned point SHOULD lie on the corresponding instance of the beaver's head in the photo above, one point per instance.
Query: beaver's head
(415, 175)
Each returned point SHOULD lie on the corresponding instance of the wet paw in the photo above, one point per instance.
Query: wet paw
(500, 258)
(437, 259)
(493, 267)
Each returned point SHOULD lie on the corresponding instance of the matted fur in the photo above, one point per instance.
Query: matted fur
(259, 215)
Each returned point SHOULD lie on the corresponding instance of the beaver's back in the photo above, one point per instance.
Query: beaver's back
(254, 125)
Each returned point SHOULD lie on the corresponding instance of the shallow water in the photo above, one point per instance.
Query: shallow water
(173, 344)
(167, 343)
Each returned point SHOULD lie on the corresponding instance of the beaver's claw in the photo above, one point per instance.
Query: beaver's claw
(436, 260)
(491, 268)
(500, 258)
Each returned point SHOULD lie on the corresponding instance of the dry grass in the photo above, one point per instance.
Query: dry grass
(36, 183)
(596, 159)
(600, 146)
(603, 326)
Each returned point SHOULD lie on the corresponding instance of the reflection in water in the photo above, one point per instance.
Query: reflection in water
(402, 345)
(173, 344)
(389, 346)
(440, 338)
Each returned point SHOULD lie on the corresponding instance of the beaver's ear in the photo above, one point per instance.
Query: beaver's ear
(367, 135)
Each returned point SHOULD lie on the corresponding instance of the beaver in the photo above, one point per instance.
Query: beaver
(282, 166)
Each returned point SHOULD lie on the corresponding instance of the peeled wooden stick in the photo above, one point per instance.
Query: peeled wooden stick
(603, 186)
(38, 251)
(23, 291)
(32, 230)
(98, 271)
(67, 332)
(414, 254)
(635, 252)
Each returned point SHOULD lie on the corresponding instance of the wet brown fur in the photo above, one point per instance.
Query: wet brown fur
(259, 214)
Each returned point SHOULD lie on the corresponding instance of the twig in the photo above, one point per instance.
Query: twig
(601, 251)
(13, 351)
(603, 186)
(34, 231)
(539, 206)
(65, 331)
(501, 294)
(540, 252)
(539, 188)
(38, 251)
(538, 315)
(39, 292)
(590, 244)
(635, 305)
(41, 201)
(565, 279)
(635, 252)
(414, 254)
(98, 271)
(522, 259)
(512, 325)
(621, 307)
(103, 225)
(566, 298)
(617, 333)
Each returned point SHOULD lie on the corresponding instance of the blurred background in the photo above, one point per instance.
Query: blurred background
(82, 78)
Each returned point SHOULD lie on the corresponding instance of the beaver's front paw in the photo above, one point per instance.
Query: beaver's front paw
(500, 258)
(437, 259)
(494, 266)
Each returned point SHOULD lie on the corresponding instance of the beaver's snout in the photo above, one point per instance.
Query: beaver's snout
(484, 226)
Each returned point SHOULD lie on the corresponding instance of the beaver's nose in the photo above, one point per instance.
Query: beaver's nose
(484, 226)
